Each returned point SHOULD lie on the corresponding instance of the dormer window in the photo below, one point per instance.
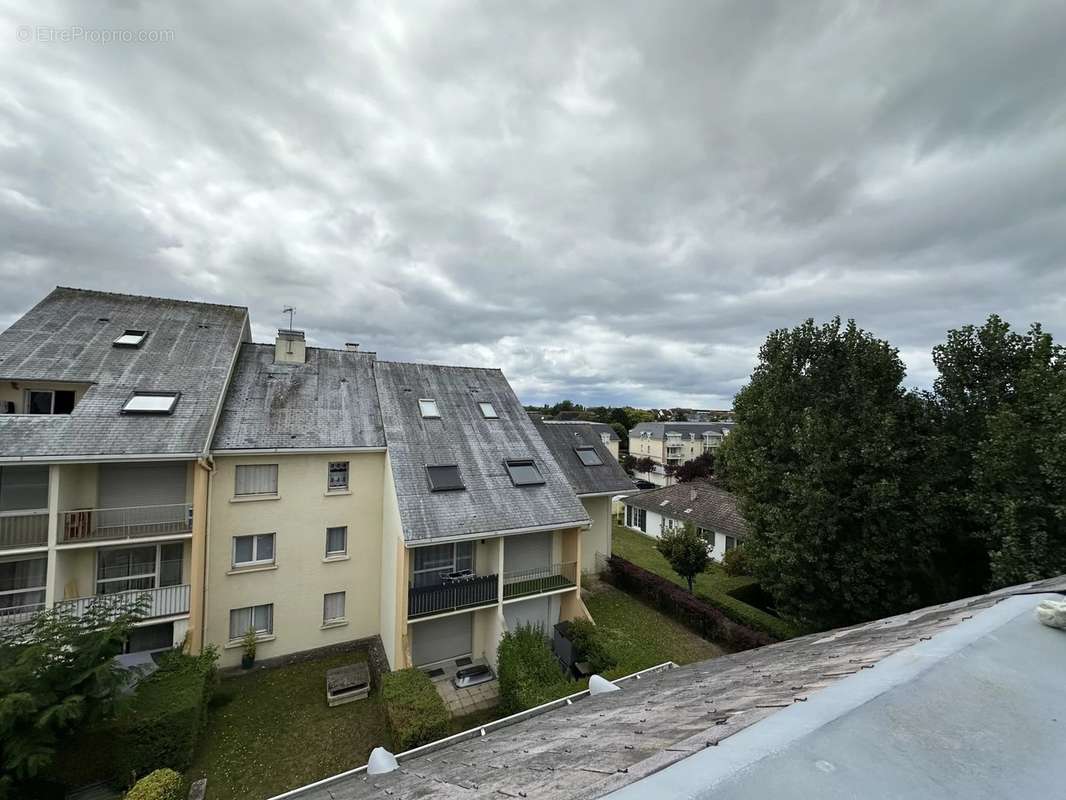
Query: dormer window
(524, 473)
(444, 478)
(429, 409)
(131, 338)
(488, 411)
(589, 457)
(151, 403)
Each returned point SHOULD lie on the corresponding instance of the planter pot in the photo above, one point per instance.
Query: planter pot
(247, 661)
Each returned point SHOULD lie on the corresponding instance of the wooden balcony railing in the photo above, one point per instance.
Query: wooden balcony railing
(90, 524)
(165, 601)
(480, 590)
(23, 529)
(539, 580)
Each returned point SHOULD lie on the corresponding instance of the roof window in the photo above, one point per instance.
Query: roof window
(151, 403)
(664, 503)
(429, 409)
(524, 473)
(589, 457)
(444, 478)
(131, 339)
(488, 411)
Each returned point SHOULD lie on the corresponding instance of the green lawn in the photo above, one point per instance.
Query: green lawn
(713, 586)
(277, 733)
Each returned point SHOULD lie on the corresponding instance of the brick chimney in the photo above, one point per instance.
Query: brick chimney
(289, 347)
(351, 347)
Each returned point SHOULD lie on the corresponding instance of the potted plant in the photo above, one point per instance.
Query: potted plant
(248, 645)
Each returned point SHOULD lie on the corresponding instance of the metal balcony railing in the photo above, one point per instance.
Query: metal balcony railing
(480, 590)
(539, 580)
(166, 601)
(89, 524)
(13, 615)
(23, 529)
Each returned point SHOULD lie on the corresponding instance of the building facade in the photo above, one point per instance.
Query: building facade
(674, 443)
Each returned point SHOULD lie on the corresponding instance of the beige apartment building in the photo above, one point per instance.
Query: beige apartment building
(150, 452)
(674, 443)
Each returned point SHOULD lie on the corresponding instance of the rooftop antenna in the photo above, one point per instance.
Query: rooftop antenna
(290, 311)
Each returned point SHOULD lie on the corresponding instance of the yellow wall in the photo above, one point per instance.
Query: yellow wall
(301, 574)
(596, 539)
(393, 581)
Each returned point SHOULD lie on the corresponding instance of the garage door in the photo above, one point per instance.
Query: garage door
(528, 551)
(441, 639)
(152, 483)
(536, 612)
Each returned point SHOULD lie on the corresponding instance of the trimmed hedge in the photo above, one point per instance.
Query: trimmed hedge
(528, 671)
(588, 641)
(416, 712)
(711, 623)
(163, 784)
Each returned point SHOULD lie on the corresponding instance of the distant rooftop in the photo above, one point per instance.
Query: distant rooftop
(699, 502)
(599, 427)
(660, 429)
(564, 439)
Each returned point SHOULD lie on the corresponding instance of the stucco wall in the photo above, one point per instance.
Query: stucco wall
(393, 582)
(301, 575)
(596, 539)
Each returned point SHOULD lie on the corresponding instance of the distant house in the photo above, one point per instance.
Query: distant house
(674, 443)
(712, 510)
(606, 433)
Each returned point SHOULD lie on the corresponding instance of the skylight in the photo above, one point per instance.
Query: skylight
(589, 457)
(428, 409)
(444, 478)
(524, 473)
(664, 503)
(151, 403)
(131, 339)
(488, 411)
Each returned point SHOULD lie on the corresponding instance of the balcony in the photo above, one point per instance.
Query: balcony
(13, 615)
(23, 529)
(166, 601)
(480, 590)
(526, 582)
(93, 524)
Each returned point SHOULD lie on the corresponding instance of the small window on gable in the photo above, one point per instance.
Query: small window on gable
(488, 411)
(589, 457)
(524, 473)
(428, 409)
(131, 339)
(444, 478)
(151, 403)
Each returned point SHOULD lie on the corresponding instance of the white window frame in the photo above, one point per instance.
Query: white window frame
(259, 632)
(155, 576)
(491, 413)
(131, 338)
(337, 553)
(730, 543)
(131, 406)
(446, 566)
(22, 590)
(256, 561)
(327, 620)
(428, 408)
(347, 476)
(236, 481)
(51, 401)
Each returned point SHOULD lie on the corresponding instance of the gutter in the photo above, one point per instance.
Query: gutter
(294, 451)
(584, 524)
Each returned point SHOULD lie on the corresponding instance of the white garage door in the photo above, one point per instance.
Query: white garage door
(152, 483)
(441, 639)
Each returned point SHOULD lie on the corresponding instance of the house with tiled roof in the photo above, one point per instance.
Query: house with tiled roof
(712, 510)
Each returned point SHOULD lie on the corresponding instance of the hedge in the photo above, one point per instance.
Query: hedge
(416, 712)
(710, 622)
(528, 671)
(163, 784)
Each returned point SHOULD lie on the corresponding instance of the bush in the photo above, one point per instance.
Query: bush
(735, 563)
(687, 609)
(163, 784)
(415, 710)
(529, 673)
(590, 645)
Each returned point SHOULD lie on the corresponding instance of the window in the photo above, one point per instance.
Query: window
(338, 476)
(435, 561)
(150, 566)
(524, 473)
(332, 607)
(707, 536)
(730, 543)
(605, 438)
(259, 618)
(255, 549)
(151, 403)
(23, 488)
(487, 411)
(337, 541)
(444, 478)
(253, 479)
(641, 518)
(131, 339)
(589, 457)
(428, 409)
(49, 401)
(22, 585)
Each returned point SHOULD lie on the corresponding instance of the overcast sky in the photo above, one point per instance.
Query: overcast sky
(613, 202)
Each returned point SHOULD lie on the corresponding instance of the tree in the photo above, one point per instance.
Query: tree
(645, 464)
(699, 468)
(629, 463)
(685, 550)
(58, 676)
(828, 461)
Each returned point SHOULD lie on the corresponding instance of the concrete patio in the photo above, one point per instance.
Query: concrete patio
(461, 702)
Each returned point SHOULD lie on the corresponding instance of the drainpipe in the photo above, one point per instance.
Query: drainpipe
(205, 470)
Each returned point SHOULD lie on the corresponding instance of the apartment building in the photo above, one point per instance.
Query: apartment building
(674, 443)
(150, 452)
(107, 403)
(607, 435)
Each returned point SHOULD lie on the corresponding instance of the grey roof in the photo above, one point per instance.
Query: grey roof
(602, 744)
(328, 401)
(659, 429)
(479, 446)
(68, 337)
(606, 477)
(599, 427)
(711, 507)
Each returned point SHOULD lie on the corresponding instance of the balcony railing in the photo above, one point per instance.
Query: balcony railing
(90, 524)
(539, 580)
(23, 529)
(13, 615)
(480, 590)
(166, 601)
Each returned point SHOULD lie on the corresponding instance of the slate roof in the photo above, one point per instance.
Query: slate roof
(68, 337)
(330, 401)
(606, 477)
(490, 503)
(659, 429)
(605, 743)
(599, 427)
(712, 507)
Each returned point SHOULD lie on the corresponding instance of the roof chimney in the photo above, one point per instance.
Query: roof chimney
(351, 347)
(289, 347)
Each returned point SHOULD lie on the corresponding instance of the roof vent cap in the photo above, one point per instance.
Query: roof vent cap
(381, 762)
(600, 685)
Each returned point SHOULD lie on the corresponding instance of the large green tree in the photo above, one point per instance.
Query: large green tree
(684, 550)
(828, 460)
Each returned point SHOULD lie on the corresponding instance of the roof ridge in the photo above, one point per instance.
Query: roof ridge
(431, 364)
(103, 293)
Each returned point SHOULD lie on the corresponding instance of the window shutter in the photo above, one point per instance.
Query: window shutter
(257, 479)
